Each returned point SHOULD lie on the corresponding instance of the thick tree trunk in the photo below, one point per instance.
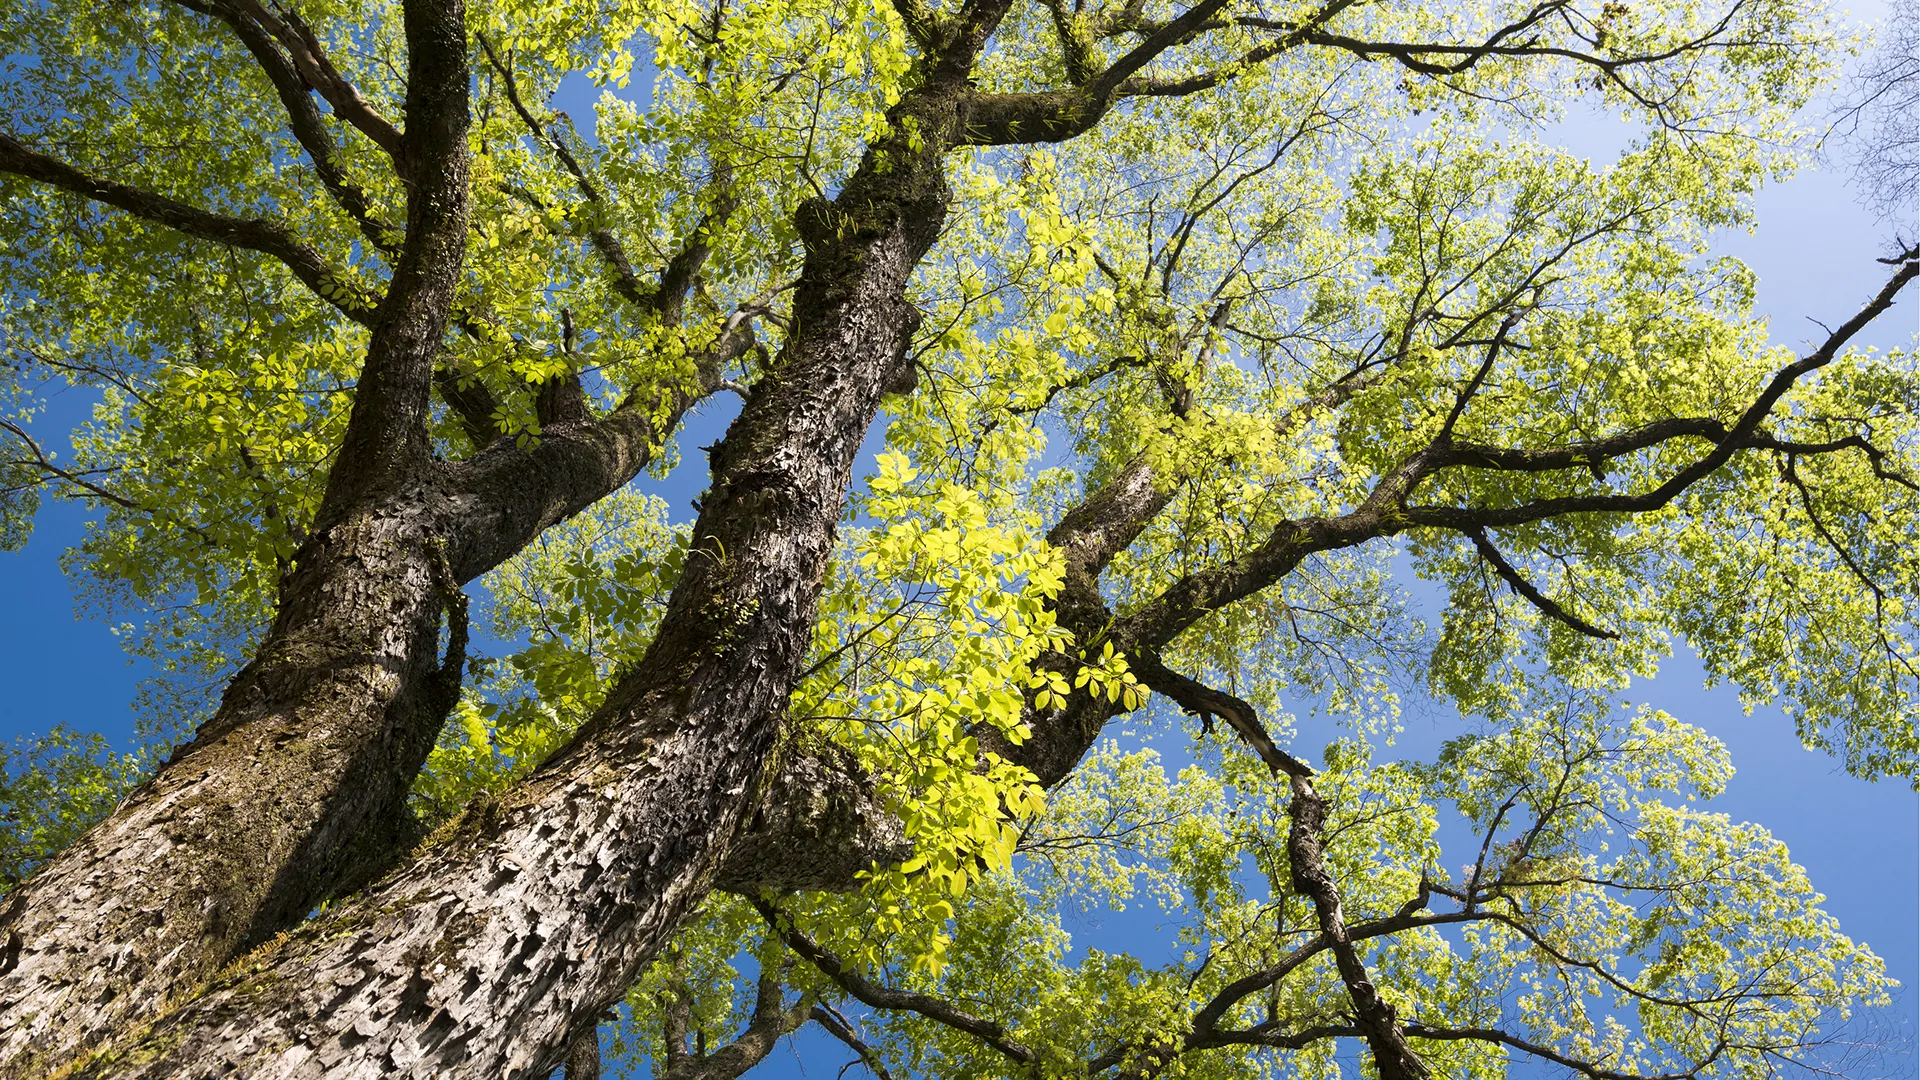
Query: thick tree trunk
(296, 789)
(299, 780)
(285, 795)
(485, 953)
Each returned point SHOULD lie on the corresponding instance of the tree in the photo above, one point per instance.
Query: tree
(1877, 117)
(1188, 320)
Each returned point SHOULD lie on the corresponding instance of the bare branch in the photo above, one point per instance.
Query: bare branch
(305, 51)
(677, 277)
(1205, 702)
(838, 1027)
(1372, 1013)
(305, 121)
(1585, 1068)
(45, 464)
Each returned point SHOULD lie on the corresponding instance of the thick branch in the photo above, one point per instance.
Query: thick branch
(1058, 115)
(583, 1056)
(472, 402)
(820, 824)
(538, 913)
(386, 436)
(297, 785)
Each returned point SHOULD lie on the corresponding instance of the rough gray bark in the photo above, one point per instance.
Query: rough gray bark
(296, 789)
(306, 768)
(303, 771)
(482, 955)
(489, 951)
(342, 674)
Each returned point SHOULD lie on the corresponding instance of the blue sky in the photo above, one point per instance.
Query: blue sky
(1860, 842)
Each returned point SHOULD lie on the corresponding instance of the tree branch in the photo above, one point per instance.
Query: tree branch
(838, 1027)
(625, 281)
(1743, 433)
(677, 277)
(1372, 1013)
(1205, 702)
(254, 234)
(885, 997)
(386, 434)
(1533, 596)
(772, 1018)
(1058, 115)
(1546, 1053)
(1385, 512)
(305, 121)
(306, 53)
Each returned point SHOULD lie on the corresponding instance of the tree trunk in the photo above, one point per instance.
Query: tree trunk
(293, 789)
(297, 785)
(484, 954)
(296, 789)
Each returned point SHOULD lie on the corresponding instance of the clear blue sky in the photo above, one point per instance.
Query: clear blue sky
(1860, 842)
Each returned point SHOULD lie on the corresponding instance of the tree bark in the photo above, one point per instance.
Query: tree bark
(286, 794)
(296, 789)
(583, 1055)
(484, 953)
(300, 778)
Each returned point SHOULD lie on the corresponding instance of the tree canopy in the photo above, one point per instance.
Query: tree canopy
(1188, 335)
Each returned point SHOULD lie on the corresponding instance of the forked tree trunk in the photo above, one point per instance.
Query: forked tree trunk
(483, 954)
(296, 789)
